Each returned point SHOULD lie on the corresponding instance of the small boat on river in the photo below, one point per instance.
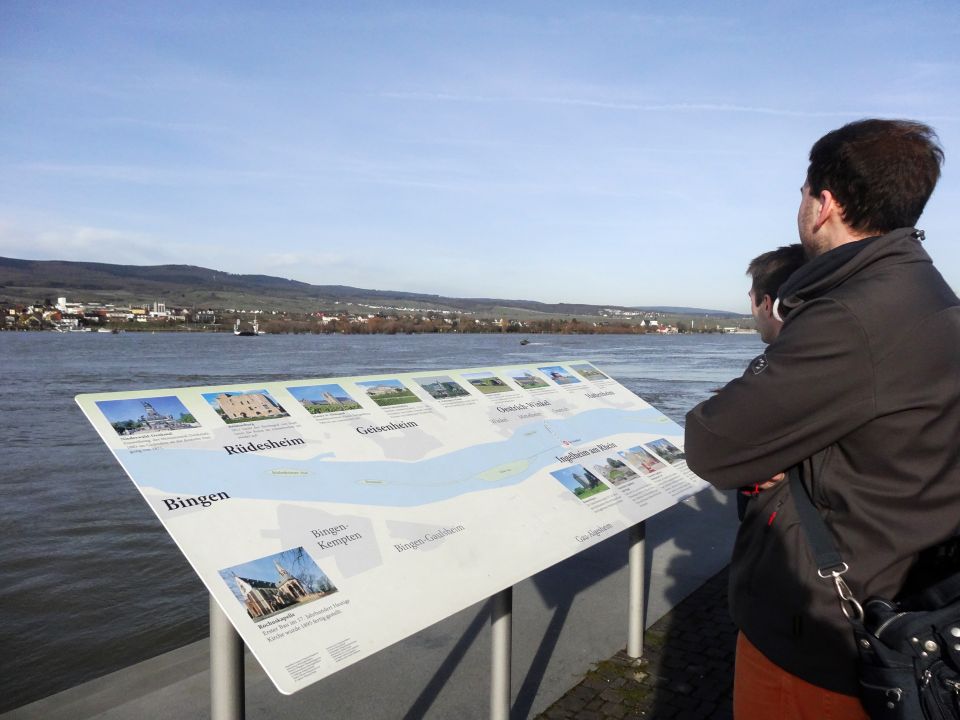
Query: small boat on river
(253, 331)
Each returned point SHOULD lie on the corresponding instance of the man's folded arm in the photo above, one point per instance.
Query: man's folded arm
(813, 387)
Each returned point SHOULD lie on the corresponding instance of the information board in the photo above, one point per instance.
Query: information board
(330, 518)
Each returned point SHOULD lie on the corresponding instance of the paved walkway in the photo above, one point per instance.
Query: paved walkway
(686, 671)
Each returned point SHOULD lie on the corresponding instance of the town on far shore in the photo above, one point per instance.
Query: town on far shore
(64, 316)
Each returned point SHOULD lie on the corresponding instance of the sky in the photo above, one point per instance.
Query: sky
(624, 153)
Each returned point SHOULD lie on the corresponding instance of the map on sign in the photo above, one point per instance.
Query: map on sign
(332, 517)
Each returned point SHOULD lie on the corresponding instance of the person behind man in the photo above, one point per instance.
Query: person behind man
(768, 272)
(861, 390)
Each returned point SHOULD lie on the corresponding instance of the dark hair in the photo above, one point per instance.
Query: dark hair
(770, 270)
(882, 172)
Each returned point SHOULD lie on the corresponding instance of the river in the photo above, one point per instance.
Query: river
(89, 580)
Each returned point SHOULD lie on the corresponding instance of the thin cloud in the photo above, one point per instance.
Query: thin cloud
(301, 263)
(147, 175)
(87, 243)
(630, 106)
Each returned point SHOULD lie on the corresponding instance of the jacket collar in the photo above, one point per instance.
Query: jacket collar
(831, 269)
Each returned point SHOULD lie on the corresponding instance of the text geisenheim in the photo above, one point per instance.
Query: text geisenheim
(371, 429)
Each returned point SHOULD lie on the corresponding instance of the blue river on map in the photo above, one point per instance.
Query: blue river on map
(390, 483)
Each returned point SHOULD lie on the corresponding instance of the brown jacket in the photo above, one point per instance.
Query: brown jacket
(862, 388)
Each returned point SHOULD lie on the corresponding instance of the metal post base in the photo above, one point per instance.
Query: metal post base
(501, 628)
(638, 534)
(226, 667)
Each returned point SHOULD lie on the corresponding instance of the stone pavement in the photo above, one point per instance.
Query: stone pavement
(686, 672)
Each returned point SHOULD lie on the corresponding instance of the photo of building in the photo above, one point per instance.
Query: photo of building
(642, 460)
(667, 450)
(277, 582)
(561, 376)
(580, 481)
(589, 372)
(442, 388)
(614, 471)
(527, 380)
(129, 417)
(487, 382)
(318, 399)
(388, 392)
(238, 406)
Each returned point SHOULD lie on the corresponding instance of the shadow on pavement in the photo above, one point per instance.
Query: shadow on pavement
(687, 665)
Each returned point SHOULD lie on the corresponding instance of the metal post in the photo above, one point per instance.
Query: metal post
(501, 629)
(638, 534)
(226, 667)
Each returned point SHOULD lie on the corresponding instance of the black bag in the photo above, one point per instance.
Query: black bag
(909, 649)
(910, 658)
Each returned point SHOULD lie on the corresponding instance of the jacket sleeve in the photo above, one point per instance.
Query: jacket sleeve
(813, 386)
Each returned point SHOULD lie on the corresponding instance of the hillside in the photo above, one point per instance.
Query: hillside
(27, 281)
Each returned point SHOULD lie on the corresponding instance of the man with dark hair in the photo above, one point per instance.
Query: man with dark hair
(769, 271)
(861, 392)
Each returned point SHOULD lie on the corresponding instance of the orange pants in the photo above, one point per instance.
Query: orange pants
(764, 691)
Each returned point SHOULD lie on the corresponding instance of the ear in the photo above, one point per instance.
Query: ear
(766, 305)
(828, 207)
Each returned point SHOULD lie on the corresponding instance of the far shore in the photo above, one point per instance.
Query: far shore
(282, 329)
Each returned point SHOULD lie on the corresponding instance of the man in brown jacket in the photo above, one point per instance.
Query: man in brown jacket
(861, 389)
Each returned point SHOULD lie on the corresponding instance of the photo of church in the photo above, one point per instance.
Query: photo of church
(580, 481)
(155, 414)
(319, 399)
(277, 582)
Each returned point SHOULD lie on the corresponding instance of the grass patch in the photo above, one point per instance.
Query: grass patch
(400, 399)
(654, 639)
(584, 493)
(634, 694)
(320, 409)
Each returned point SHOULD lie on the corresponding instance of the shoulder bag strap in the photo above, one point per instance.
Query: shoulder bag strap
(825, 553)
(829, 562)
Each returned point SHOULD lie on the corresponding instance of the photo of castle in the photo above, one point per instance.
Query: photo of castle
(129, 417)
(278, 582)
(442, 387)
(317, 399)
(237, 406)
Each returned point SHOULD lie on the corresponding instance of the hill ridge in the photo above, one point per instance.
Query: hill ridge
(23, 280)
